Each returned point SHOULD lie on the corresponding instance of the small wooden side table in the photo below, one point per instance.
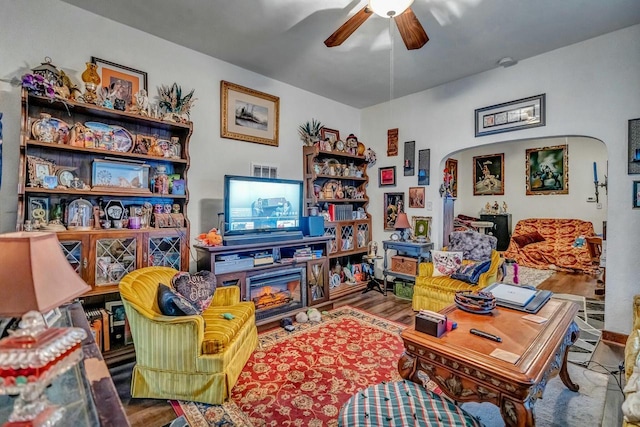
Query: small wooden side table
(420, 251)
(466, 366)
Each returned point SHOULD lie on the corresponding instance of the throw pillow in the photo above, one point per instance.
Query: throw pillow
(527, 239)
(198, 288)
(475, 246)
(471, 272)
(172, 303)
(445, 263)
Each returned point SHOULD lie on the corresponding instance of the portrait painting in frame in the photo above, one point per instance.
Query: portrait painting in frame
(393, 205)
(547, 170)
(421, 227)
(488, 175)
(248, 115)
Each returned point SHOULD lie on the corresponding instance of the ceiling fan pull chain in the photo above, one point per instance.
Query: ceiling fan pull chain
(391, 71)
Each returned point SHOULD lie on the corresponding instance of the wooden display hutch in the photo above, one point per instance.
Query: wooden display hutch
(339, 179)
(103, 256)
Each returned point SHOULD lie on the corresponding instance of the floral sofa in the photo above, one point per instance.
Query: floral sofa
(551, 243)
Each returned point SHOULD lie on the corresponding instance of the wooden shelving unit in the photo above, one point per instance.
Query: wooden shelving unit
(350, 237)
(103, 256)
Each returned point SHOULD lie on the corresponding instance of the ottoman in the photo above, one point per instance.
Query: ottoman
(402, 403)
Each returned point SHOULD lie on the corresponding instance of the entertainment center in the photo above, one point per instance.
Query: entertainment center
(281, 278)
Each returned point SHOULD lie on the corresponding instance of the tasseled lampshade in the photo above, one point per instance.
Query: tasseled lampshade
(402, 222)
(35, 274)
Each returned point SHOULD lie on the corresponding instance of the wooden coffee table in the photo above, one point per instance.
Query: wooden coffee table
(462, 364)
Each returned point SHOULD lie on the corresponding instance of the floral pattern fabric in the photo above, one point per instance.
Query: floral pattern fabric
(557, 250)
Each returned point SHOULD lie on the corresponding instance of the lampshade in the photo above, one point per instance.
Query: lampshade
(35, 274)
(402, 222)
(389, 8)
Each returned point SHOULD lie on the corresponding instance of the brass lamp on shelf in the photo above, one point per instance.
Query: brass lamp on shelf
(36, 278)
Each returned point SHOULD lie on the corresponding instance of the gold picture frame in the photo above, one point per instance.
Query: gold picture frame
(37, 169)
(421, 226)
(248, 115)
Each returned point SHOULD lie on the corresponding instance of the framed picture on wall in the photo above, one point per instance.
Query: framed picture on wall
(421, 227)
(416, 197)
(636, 194)
(393, 205)
(488, 175)
(513, 115)
(547, 170)
(451, 165)
(387, 176)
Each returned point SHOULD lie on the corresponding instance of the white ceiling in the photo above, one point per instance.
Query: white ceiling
(283, 39)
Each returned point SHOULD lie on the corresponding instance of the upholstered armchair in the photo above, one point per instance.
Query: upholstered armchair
(195, 358)
(436, 293)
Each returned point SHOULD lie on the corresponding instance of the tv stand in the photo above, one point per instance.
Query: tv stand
(248, 239)
(237, 264)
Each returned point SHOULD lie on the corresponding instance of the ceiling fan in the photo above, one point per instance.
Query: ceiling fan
(411, 30)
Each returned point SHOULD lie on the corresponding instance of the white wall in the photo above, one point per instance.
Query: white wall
(34, 29)
(582, 153)
(592, 90)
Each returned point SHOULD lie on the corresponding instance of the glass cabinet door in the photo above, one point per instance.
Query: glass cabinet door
(114, 258)
(75, 249)
(318, 290)
(164, 251)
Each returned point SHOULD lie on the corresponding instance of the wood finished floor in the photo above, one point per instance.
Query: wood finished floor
(156, 413)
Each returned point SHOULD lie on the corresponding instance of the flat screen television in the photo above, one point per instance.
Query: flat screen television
(261, 208)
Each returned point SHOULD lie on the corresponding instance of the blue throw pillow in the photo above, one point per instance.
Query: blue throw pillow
(172, 303)
(471, 272)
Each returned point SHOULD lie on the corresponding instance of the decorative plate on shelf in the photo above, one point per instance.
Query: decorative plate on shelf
(59, 131)
(111, 137)
(122, 139)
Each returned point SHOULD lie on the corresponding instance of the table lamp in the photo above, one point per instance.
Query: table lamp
(402, 224)
(36, 277)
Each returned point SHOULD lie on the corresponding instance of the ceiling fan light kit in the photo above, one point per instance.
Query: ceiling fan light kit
(410, 29)
(389, 8)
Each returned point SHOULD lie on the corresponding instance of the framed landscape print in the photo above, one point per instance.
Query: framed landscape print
(248, 115)
(636, 194)
(393, 205)
(488, 175)
(547, 170)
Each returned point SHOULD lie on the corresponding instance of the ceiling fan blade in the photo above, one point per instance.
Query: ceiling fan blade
(411, 30)
(352, 24)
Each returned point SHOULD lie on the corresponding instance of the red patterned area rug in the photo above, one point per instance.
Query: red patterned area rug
(303, 378)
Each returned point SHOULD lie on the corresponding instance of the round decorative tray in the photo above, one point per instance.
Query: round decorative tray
(475, 302)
